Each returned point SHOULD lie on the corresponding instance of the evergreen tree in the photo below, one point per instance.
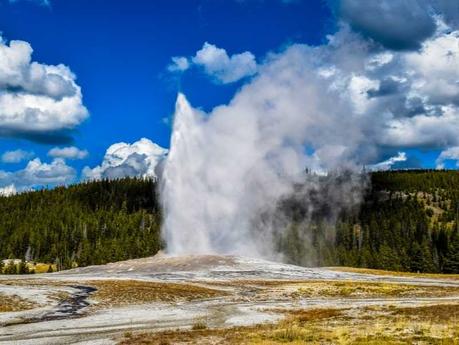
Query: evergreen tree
(451, 264)
(388, 258)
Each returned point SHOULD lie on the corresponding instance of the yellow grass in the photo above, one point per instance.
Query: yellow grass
(123, 292)
(281, 289)
(199, 324)
(374, 326)
(395, 273)
(354, 289)
(10, 303)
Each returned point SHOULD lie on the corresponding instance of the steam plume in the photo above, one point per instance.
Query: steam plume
(229, 168)
(358, 99)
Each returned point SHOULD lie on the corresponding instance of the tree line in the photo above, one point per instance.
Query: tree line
(407, 221)
(84, 224)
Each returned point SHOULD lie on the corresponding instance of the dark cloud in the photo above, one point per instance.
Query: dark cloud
(397, 25)
(49, 138)
(415, 106)
(386, 87)
(449, 10)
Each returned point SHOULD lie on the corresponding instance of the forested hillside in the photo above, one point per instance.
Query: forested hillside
(408, 221)
(84, 224)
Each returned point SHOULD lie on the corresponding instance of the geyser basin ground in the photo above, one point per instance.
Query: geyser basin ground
(226, 295)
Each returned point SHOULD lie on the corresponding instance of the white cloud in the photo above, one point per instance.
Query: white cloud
(70, 152)
(16, 156)
(8, 190)
(388, 163)
(123, 159)
(217, 64)
(404, 98)
(224, 68)
(35, 97)
(179, 64)
(451, 153)
(39, 174)
(436, 69)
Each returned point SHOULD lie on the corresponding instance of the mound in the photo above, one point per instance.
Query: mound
(198, 267)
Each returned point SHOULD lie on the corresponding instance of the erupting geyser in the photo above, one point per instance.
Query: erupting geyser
(227, 170)
(221, 184)
(203, 189)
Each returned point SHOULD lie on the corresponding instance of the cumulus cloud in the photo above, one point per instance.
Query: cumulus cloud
(436, 69)
(388, 163)
(122, 159)
(8, 190)
(36, 98)
(70, 152)
(452, 153)
(224, 68)
(16, 156)
(38, 174)
(409, 96)
(217, 64)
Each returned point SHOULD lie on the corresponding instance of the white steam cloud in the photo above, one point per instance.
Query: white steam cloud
(331, 108)
(226, 168)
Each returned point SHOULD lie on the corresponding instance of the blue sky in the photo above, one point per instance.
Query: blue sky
(120, 51)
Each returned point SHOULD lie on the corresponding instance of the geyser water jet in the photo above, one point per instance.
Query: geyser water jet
(227, 170)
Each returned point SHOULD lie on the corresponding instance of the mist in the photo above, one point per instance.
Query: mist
(227, 171)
